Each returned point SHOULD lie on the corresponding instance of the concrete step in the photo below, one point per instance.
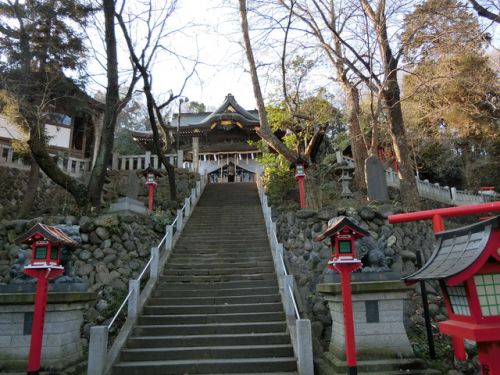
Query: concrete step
(209, 329)
(174, 264)
(213, 293)
(225, 300)
(207, 352)
(212, 309)
(244, 284)
(209, 259)
(208, 340)
(206, 366)
(198, 271)
(217, 278)
(212, 318)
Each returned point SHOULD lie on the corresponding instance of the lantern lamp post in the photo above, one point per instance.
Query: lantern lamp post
(343, 233)
(300, 166)
(151, 176)
(45, 264)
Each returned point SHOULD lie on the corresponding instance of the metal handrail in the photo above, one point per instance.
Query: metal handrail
(145, 268)
(120, 309)
(297, 314)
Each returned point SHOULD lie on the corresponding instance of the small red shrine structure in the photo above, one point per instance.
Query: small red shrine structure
(466, 263)
(45, 264)
(151, 176)
(343, 233)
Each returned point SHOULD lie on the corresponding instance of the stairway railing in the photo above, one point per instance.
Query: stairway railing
(434, 191)
(100, 360)
(300, 329)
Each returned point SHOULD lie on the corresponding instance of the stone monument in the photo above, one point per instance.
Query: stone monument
(375, 180)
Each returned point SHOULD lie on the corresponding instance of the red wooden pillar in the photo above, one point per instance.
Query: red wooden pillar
(489, 357)
(350, 341)
(42, 287)
(37, 325)
(151, 189)
(302, 191)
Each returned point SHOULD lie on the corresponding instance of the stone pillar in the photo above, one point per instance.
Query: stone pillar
(196, 154)
(180, 158)
(378, 323)
(62, 346)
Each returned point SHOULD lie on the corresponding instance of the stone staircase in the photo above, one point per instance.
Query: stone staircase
(216, 308)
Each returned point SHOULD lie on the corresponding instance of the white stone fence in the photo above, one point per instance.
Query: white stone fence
(100, 359)
(73, 166)
(436, 192)
(300, 329)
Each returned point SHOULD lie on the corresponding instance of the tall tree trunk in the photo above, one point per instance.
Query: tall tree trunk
(358, 146)
(30, 192)
(153, 109)
(50, 168)
(409, 192)
(392, 99)
(112, 103)
(264, 131)
(156, 137)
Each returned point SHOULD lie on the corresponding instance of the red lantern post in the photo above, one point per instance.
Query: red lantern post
(300, 172)
(46, 242)
(343, 234)
(151, 178)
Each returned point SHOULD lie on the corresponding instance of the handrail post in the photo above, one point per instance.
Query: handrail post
(133, 302)
(98, 350)
(155, 263)
(193, 197)
(187, 202)
(279, 264)
(304, 347)
(179, 220)
(287, 298)
(198, 188)
(169, 232)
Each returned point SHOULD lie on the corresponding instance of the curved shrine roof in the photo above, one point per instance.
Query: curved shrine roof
(456, 251)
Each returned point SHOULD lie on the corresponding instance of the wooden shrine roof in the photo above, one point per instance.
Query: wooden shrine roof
(455, 251)
(52, 234)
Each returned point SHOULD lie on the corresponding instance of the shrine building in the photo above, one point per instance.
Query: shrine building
(215, 143)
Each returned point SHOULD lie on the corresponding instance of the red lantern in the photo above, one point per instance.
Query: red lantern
(46, 243)
(343, 233)
(151, 176)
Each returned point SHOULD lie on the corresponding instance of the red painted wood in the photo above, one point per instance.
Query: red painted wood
(42, 276)
(302, 191)
(489, 357)
(445, 212)
(150, 196)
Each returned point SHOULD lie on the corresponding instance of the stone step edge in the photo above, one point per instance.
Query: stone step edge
(205, 361)
(223, 305)
(229, 335)
(210, 325)
(219, 347)
(249, 314)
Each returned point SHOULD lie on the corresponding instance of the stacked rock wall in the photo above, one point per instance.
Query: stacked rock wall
(388, 248)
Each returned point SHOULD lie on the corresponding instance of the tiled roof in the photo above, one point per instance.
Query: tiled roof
(455, 251)
(53, 234)
(337, 223)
